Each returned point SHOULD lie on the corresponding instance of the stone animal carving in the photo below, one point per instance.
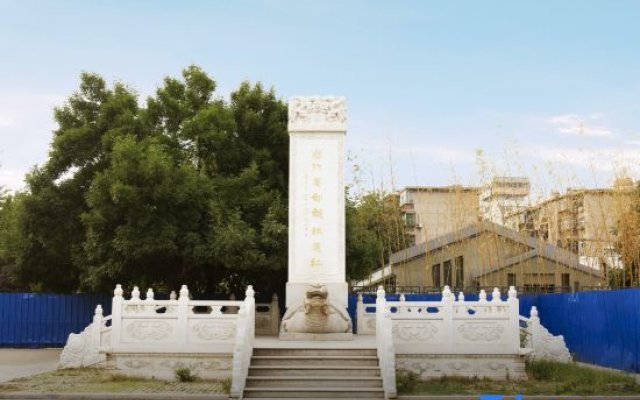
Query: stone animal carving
(316, 314)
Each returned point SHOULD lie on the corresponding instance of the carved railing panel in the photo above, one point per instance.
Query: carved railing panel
(172, 326)
(449, 326)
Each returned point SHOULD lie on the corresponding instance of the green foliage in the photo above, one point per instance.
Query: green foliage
(543, 378)
(374, 231)
(571, 379)
(406, 381)
(185, 374)
(9, 206)
(187, 189)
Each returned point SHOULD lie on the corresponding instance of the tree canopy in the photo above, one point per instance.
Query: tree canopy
(186, 187)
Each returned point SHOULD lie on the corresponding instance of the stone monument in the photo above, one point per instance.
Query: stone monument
(316, 288)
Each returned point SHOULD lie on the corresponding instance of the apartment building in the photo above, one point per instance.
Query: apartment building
(432, 211)
(504, 195)
(583, 221)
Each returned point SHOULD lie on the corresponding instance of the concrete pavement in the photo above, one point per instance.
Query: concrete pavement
(17, 363)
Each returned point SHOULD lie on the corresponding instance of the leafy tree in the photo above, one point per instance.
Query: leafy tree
(8, 206)
(628, 244)
(374, 232)
(189, 189)
(186, 188)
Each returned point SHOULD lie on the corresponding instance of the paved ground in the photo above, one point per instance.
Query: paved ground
(16, 363)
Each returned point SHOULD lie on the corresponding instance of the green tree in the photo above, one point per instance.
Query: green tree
(8, 209)
(189, 189)
(374, 232)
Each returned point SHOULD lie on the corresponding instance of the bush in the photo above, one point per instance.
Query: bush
(185, 374)
(406, 381)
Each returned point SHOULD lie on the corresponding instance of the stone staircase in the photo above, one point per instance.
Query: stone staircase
(277, 373)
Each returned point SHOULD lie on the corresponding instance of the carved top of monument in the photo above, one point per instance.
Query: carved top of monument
(318, 114)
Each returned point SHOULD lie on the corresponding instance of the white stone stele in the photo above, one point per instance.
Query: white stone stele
(317, 127)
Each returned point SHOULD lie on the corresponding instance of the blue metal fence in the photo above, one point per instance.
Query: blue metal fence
(601, 327)
(45, 320)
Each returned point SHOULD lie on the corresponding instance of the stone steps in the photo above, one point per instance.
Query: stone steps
(303, 373)
(334, 382)
(262, 352)
(361, 361)
(313, 370)
(314, 393)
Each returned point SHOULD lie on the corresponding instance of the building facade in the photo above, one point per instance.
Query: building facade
(582, 221)
(432, 211)
(503, 196)
(487, 255)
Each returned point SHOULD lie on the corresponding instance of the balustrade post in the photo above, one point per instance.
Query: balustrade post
(250, 303)
(447, 316)
(359, 312)
(534, 323)
(514, 315)
(381, 306)
(149, 299)
(496, 296)
(96, 328)
(183, 316)
(482, 298)
(116, 317)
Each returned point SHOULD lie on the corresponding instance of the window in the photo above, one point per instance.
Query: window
(410, 220)
(406, 197)
(566, 285)
(511, 280)
(460, 272)
(576, 286)
(435, 275)
(446, 271)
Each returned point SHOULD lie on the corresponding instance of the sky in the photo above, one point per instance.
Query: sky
(438, 92)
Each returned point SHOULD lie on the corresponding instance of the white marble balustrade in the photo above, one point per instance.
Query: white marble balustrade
(449, 326)
(172, 326)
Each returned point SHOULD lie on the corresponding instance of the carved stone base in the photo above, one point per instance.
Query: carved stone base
(319, 337)
(432, 366)
(163, 366)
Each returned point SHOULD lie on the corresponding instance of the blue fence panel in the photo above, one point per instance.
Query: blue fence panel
(601, 327)
(46, 320)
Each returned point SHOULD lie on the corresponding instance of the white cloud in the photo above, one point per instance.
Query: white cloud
(574, 124)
